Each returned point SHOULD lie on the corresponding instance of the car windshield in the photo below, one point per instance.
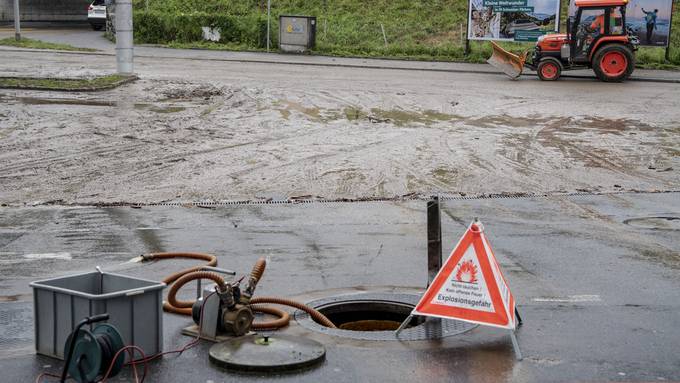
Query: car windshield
(98, 2)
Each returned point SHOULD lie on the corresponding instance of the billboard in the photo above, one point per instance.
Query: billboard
(518, 20)
(650, 20)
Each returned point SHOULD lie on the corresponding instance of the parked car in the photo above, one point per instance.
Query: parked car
(96, 14)
(520, 25)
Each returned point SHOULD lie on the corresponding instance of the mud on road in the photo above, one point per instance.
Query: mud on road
(282, 132)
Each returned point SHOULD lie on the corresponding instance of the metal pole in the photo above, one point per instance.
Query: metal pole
(668, 42)
(124, 39)
(269, 14)
(467, 30)
(383, 32)
(515, 345)
(402, 325)
(17, 21)
(434, 239)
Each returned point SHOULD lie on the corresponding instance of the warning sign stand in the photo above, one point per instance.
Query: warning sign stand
(470, 287)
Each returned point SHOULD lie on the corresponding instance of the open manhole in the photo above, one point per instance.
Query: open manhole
(657, 223)
(375, 316)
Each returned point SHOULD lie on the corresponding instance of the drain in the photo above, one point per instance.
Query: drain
(375, 316)
(655, 223)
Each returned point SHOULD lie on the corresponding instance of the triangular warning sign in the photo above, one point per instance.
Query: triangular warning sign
(470, 286)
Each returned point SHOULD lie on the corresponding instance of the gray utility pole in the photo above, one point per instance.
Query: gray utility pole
(124, 53)
(17, 21)
(269, 10)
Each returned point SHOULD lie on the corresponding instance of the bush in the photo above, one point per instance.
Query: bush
(161, 28)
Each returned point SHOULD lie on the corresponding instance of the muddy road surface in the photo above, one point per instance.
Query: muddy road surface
(212, 130)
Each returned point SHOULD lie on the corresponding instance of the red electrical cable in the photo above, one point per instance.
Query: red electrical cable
(187, 346)
(126, 348)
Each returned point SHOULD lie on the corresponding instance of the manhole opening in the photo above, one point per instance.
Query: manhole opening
(375, 316)
(369, 315)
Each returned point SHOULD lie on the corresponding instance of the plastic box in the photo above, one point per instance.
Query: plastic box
(134, 306)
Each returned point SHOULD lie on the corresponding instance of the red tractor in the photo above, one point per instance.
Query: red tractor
(597, 38)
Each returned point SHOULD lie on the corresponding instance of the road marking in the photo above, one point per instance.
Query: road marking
(63, 256)
(569, 299)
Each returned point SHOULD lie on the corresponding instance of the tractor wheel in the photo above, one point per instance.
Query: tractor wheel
(613, 63)
(549, 69)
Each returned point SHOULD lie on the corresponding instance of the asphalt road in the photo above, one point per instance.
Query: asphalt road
(596, 279)
(204, 129)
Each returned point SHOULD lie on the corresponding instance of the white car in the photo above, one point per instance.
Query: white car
(96, 14)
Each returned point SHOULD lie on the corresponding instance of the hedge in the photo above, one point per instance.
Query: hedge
(161, 28)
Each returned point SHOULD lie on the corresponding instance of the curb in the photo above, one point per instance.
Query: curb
(337, 65)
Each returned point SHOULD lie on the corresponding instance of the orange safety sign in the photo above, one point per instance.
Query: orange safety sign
(470, 286)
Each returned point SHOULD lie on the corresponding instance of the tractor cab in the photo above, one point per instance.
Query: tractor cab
(596, 38)
(596, 22)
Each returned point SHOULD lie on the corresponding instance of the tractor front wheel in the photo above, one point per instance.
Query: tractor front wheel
(613, 63)
(549, 69)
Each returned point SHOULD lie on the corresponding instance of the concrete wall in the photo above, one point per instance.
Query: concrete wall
(45, 10)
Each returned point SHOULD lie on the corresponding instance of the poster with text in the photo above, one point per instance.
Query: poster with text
(518, 20)
(650, 20)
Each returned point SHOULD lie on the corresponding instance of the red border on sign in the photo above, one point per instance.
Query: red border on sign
(499, 317)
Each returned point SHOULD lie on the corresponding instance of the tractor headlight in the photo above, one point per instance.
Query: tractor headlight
(540, 38)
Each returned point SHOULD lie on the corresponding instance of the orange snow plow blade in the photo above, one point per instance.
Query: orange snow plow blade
(509, 63)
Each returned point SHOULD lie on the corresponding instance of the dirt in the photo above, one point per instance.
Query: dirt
(231, 131)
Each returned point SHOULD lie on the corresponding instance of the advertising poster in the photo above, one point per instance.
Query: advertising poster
(650, 20)
(518, 20)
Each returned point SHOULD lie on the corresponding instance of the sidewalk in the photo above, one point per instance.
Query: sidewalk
(89, 39)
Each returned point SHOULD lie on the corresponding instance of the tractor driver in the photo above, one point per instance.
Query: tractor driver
(597, 26)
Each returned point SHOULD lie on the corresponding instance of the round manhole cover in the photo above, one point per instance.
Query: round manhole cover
(655, 223)
(255, 353)
(375, 316)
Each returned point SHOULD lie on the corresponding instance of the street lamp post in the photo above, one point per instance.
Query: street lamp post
(124, 42)
(17, 21)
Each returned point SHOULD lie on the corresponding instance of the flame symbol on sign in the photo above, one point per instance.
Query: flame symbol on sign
(467, 272)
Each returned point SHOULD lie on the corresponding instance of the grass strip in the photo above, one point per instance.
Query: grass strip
(66, 84)
(38, 44)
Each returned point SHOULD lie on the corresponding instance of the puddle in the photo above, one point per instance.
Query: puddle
(290, 106)
(64, 101)
(167, 109)
(398, 117)
(10, 298)
(103, 103)
(402, 117)
(655, 223)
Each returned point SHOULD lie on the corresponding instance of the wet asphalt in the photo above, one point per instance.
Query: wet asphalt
(596, 278)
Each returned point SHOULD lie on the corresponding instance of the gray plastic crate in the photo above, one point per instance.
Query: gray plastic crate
(134, 306)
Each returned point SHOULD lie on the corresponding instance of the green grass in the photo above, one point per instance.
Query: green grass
(96, 83)
(415, 29)
(37, 44)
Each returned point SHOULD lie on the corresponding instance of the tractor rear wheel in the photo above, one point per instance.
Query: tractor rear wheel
(613, 63)
(549, 69)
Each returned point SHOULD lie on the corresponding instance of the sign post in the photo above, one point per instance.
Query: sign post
(470, 287)
(670, 25)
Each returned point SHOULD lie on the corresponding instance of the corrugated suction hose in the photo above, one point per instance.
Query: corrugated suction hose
(316, 315)
(183, 277)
